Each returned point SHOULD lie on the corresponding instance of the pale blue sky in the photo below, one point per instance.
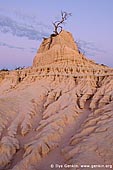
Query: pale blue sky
(23, 23)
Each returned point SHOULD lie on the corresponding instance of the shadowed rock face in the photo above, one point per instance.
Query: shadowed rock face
(59, 111)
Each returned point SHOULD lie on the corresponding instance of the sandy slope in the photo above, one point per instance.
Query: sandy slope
(60, 113)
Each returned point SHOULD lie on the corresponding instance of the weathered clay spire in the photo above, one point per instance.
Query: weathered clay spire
(56, 48)
(61, 51)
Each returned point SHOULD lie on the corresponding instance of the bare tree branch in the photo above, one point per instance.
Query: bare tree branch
(57, 24)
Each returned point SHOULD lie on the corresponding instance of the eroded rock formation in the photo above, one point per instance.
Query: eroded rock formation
(59, 111)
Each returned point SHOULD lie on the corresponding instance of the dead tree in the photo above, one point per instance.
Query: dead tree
(58, 24)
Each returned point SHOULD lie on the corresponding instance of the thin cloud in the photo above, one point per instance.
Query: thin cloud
(89, 48)
(31, 50)
(11, 46)
(25, 18)
(9, 25)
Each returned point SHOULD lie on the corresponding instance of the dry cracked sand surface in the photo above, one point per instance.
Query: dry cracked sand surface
(58, 112)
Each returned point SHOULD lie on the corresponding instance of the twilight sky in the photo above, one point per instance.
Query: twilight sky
(23, 23)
